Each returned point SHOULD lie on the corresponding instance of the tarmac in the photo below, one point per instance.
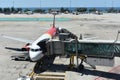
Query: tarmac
(93, 26)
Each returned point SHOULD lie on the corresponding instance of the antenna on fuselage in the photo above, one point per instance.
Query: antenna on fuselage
(54, 14)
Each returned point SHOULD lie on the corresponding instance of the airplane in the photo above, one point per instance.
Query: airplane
(38, 47)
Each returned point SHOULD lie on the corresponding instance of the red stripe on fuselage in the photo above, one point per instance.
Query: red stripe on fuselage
(51, 31)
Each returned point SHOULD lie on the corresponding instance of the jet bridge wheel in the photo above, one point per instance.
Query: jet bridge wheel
(82, 57)
(81, 67)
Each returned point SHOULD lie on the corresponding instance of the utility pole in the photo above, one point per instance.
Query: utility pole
(112, 3)
(13, 3)
(70, 6)
(40, 3)
(54, 14)
(117, 36)
(105, 4)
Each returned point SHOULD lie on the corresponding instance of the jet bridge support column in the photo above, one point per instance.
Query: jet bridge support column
(76, 51)
(71, 65)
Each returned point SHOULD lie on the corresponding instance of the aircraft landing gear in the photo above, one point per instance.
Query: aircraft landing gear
(38, 66)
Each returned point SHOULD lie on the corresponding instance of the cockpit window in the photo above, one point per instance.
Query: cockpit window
(35, 50)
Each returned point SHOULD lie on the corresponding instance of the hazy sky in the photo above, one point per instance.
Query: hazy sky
(60, 3)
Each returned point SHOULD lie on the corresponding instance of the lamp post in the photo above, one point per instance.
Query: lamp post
(112, 3)
(40, 3)
(70, 6)
(54, 13)
(117, 37)
(13, 3)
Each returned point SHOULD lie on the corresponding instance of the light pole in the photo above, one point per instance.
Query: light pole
(112, 3)
(40, 3)
(13, 3)
(105, 4)
(70, 6)
(117, 37)
(54, 14)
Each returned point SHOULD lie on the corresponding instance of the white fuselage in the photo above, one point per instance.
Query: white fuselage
(35, 52)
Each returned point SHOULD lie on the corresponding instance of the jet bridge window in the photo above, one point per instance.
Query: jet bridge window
(100, 50)
(92, 49)
(71, 48)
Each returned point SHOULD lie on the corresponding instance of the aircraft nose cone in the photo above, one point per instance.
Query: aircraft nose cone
(35, 56)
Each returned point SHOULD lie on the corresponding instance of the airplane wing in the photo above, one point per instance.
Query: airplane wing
(15, 49)
(17, 39)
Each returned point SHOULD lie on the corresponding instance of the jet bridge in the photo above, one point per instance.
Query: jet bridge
(91, 49)
(68, 44)
(98, 53)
